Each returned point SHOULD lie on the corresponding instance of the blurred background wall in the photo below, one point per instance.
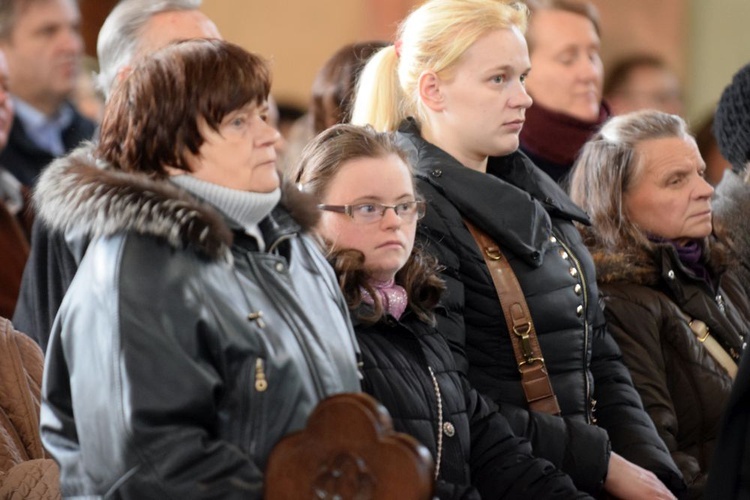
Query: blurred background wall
(705, 41)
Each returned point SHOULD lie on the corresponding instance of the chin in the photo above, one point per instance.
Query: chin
(266, 185)
(584, 110)
(507, 147)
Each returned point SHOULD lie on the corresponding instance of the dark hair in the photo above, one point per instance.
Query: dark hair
(582, 8)
(334, 85)
(321, 160)
(621, 71)
(152, 117)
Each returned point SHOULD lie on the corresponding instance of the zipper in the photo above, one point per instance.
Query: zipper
(259, 386)
(284, 296)
(585, 294)
(261, 382)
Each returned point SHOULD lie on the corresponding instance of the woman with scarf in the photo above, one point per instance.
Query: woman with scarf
(369, 213)
(678, 312)
(566, 83)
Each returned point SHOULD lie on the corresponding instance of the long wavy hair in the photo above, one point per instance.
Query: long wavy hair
(321, 161)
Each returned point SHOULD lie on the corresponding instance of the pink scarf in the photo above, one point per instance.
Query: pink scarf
(392, 296)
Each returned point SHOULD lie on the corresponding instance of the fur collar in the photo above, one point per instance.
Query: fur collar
(644, 265)
(80, 194)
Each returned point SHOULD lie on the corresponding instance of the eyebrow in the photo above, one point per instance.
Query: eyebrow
(377, 199)
(508, 68)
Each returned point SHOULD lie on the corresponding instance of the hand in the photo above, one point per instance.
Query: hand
(626, 480)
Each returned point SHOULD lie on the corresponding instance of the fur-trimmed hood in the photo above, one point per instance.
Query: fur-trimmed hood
(643, 265)
(82, 194)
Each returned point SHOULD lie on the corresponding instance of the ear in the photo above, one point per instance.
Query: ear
(123, 73)
(430, 91)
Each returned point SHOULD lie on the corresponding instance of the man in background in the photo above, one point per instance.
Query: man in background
(43, 46)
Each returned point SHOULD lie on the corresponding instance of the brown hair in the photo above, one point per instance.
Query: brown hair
(321, 160)
(152, 117)
(334, 85)
(581, 8)
(607, 167)
(620, 73)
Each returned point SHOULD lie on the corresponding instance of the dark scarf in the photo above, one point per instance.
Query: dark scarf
(690, 255)
(557, 137)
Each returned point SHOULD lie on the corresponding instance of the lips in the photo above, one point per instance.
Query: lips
(391, 243)
(267, 162)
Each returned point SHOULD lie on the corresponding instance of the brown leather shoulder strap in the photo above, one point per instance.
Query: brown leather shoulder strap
(534, 376)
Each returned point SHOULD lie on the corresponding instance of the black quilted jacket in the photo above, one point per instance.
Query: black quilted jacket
(530, 216)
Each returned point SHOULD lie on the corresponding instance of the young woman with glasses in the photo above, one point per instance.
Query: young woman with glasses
(368, 223)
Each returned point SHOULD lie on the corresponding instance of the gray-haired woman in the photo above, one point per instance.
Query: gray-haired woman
(678, 312)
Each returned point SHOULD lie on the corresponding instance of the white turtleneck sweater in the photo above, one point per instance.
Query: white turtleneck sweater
(246, 208)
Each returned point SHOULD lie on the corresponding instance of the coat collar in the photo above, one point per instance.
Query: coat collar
(513, 204)
(80, 194)
(657, 265)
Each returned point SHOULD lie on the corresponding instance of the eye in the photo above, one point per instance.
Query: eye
(567, 58)
(676, 180)
(523, 78)
(238, 121)
(498, 79)
(366, 208)
(405, 207)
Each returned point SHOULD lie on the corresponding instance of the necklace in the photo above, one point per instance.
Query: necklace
(439, 397)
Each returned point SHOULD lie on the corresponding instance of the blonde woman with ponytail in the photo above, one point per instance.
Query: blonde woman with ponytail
(453, 87)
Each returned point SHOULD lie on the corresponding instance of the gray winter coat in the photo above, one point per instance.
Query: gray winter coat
(181, 353)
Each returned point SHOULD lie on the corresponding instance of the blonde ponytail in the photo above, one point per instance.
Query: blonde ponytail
(379, 100)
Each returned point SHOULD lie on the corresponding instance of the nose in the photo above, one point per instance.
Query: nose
(391, 220)
(72, 41)
(268, 136)
(704, 189)
(590, 68)
(521, 98)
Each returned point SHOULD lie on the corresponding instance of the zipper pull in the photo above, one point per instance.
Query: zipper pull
(261, 384)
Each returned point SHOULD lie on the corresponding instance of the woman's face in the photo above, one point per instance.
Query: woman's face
(241, 154)
(386, 243)
(568, 74)
(669, 196)
(484, 100)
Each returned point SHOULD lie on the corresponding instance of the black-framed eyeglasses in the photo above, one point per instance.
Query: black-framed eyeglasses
(366, 213)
